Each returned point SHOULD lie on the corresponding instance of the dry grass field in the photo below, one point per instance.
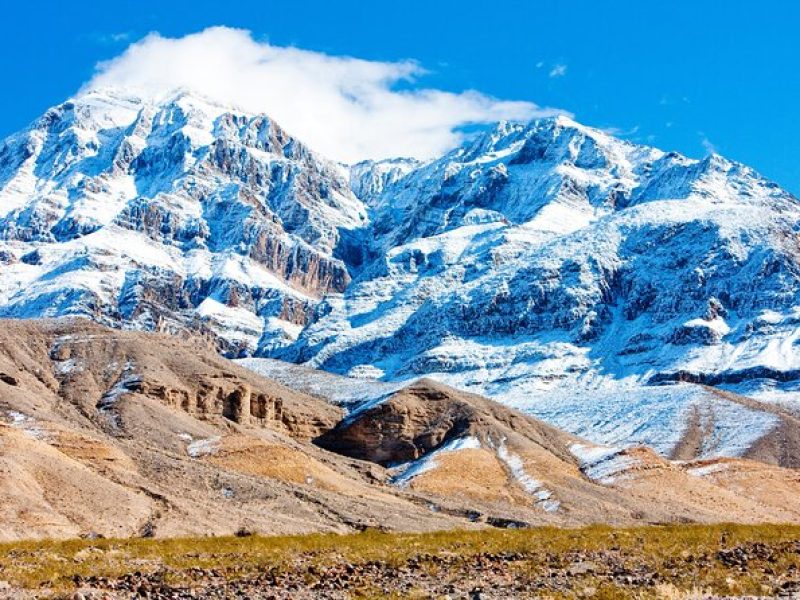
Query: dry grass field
(674, 561)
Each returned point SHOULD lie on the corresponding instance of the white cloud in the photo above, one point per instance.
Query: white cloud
(558, 70)
(620, 132)
(107, 39)
(707, 144)
(346, 108)
(122, 36)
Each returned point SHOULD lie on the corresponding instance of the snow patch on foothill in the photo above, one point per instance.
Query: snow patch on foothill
(706, 470)
(27, 424)
(604, 465)
(533, 486)
(414, 468)
(203, 447)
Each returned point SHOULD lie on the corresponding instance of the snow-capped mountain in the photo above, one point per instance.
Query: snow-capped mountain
(163, 215)
(369, 178)
(547, 265)
(566, 272)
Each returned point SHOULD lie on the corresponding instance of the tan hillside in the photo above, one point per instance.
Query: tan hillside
(512, 459)
(116, 433)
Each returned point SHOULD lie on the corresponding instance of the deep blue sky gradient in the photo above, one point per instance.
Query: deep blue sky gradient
(680, 75)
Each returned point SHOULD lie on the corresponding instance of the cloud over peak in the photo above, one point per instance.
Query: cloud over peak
(347, 108)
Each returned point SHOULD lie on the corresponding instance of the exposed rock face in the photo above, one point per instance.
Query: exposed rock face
(399, 431)
(171, 216)
(79, 350)
(235, 402)
(424, 416)
(541, 264)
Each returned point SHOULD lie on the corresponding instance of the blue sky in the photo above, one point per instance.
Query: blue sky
(686, 76)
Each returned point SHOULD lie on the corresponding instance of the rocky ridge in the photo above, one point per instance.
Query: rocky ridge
(547, 265)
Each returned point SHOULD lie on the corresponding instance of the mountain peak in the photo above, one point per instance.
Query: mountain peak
(110, 201)
(123, 95)
(534, 260)
(561, 120)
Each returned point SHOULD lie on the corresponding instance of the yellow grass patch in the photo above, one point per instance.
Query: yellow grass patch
(667, 550)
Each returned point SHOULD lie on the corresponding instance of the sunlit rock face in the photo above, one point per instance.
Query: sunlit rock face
(171, 215)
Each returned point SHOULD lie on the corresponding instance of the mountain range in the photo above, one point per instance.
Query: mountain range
(621, 293)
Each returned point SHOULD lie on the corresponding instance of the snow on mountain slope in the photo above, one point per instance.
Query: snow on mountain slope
(369, 178)
(548, 262)
(167, 215)
(592, 282)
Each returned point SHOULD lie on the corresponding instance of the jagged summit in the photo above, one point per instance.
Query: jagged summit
(163, 214)
(547, 264)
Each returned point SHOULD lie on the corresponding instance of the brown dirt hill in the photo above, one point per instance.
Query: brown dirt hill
(425, 415)
(512, 459)
(117, 433)
(122, 433)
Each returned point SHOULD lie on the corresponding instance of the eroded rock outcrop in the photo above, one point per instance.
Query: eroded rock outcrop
(425, 416)
(93, 369)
